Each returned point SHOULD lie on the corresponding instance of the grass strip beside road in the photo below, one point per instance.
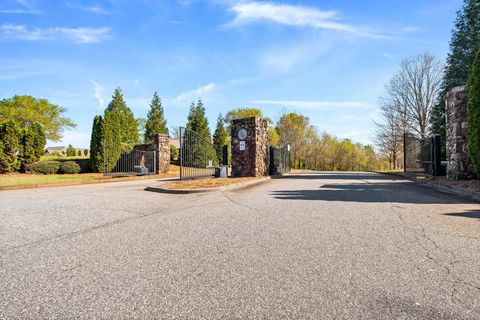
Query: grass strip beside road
(25, 181)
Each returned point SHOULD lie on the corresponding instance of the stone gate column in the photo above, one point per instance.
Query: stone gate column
(249, 147)
(161, 143)
(459, 165)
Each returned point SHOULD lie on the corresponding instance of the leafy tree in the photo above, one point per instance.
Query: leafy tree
(32, 143)
(463, 46)
(25, 110)
(120, 129)
(156, 122)
(9, 147)
(79, 153)
(292, 128)
(173, 153)
(85, 152)
(240, 113)
(220, 137)
(71, 152)
(96, 145)
(473, 113)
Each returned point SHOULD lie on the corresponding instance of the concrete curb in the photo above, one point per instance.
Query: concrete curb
(232, 187)
(470, 195)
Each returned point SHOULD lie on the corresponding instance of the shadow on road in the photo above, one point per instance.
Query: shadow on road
(400, 191)
(338, 176)
(474, 214)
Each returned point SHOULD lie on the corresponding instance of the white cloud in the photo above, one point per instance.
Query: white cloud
(98, 10)
(80, 35)
(19, 7)
(292, 15)
(302, 104)
(194, 94)
(98, 91)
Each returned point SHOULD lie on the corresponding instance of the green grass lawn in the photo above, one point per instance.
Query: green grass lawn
(7, 181)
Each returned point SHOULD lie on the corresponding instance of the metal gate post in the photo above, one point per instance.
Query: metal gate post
(436, 155)
(181, 154)
(272, 161)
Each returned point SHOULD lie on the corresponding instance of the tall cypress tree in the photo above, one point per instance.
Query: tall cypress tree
(96, 145)
(197, 120)
(463, 46)
(32, 143)
(9, 147)
(220, 136)
(120, 129)
(473, 113)
(156, 122)
(199, 143)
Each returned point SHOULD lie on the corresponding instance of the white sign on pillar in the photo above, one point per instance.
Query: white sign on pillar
(242, 145)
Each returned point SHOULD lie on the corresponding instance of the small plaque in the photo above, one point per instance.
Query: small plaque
(242, 145)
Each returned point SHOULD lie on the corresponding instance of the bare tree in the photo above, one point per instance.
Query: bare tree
(412, 92)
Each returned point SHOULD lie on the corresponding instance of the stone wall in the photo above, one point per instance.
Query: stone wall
(252, 161)
(459, 165)
(161, 146)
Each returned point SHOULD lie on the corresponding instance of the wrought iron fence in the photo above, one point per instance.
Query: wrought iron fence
(130, 162)
(280, 160)
(423, 155)
(198, 157)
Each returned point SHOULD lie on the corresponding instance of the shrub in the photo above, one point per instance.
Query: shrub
(44, 167)
(85, 152)
(473, 113)
(71, 152)
(173, 153)
(69, 167)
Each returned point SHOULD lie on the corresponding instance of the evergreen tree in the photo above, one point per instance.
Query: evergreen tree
(473, 113)
(9, 147)
(156, 122)
(200, 141)
(71, 152)
(220, 137)
(120, 129)
(96, 145)
(32, 143)
(463, 45)
(197, 120)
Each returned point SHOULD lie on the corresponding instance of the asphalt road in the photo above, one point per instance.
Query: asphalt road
(313, 246)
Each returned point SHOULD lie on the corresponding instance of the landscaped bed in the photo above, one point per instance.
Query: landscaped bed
(207, 183)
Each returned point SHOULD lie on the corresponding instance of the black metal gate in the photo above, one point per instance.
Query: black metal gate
(131, 162)
(197, 155)
(280, 160)
(423, 155)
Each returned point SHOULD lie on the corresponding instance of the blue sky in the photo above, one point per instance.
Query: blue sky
(328, 59)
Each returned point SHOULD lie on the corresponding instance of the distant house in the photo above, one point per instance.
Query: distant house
(62, 150)
(175, 142)
(50, 151)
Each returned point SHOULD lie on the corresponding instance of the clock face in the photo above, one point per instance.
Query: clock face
(242, 134)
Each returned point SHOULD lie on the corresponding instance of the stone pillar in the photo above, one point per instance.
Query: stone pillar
(460, 166)
(249, 147)
(161, 144)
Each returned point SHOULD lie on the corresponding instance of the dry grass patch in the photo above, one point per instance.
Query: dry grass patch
(207, 183)
(23, 181)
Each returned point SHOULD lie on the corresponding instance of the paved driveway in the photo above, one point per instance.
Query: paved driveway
(319, 246)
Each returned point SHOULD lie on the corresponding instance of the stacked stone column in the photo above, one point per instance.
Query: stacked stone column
(460, 166)
(250, 155)
(161, 144)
